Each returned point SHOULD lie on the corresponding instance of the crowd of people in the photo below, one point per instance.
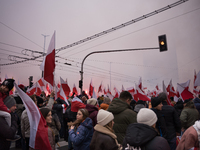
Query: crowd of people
(103, 124)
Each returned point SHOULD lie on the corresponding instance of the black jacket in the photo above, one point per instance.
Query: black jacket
(160, 124)
(145, 137)
(172, 120)
(7, 132)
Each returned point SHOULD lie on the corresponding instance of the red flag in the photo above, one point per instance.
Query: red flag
(76, 104)
(184, 92)
(105, 91)
(109, 90)
(64, 90)
(117, 93)
(165, 91)
(41, 82)
(91, 88)
(100, 88)
(38, 127)
(48, 64)
(141, 95)
(170, 89)
(75, 90)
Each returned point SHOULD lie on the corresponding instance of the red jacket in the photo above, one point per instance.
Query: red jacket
(2, 105)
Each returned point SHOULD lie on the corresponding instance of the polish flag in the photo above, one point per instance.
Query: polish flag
(195, 90)
(91, 88)
(48, 64)
(165, 91)
(104, 91)
(109, 90)
(100, 88)
(184, 92)
(64, 90)
(117, 93)
(141, 95)
(35, 89)
(41, 82)
(76, 104)
(170, 89)
(197, 80)
(38, 127)
(58, 85)
(75, 90)
(48, 88)
(131, 90)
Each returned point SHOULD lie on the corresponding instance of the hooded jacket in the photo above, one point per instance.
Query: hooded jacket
(81, 138)
(197, 103)
(145, 137)
(123, 116)
(93, 111)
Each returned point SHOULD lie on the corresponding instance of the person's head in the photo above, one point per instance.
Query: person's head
(156, 103)
(7, 85)
(33, 97)
(10, 103)
(92, 101)
(46, 113)
(105, 118)
(162, 96)
(84, 98)
(40, 101)
(188, 103)
(82, 114)
(107, 100)
(126, 97)
(22, 87)
(147, 116)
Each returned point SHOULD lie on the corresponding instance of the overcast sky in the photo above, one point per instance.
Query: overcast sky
(22, 24)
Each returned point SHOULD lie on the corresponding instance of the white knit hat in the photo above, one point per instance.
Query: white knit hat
(92, 101)
(146, 116)
(104, 117)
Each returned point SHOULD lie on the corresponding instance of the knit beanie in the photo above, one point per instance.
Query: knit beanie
(9, 101)
(9, 83)
(92, 101)
(39, 100)
(44, 112)
(146, 116)
(104, 117)
(155, 101)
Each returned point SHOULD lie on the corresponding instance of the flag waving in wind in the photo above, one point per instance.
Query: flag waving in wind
(48, 64)
(38, 127)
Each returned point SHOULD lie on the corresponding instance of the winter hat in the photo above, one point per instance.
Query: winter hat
(186, 101)
(155, 101)
(9, 101)
(92, 101)
(107, 100)
(9, 83)
(104, 117)
(44, 112)
(146, 116)
(140, 102)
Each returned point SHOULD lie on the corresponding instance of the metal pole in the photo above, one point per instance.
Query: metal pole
(109, 51)
(44, 50)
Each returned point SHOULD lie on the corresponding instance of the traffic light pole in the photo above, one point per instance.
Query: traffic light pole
(107, 51)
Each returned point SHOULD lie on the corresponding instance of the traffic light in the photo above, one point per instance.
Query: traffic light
(30, 81)
(80, 83)
(162, 43)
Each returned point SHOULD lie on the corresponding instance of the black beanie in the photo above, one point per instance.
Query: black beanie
(9, 83)
(39, 100)
(155, 101)
(140, 102)
(44, 112)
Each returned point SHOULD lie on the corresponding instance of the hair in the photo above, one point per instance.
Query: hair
(125, 95)
(33, 97)
(44, 112)
(77, 122)
(189, 104)
(106, 100)
(109, 126)
(162, 96)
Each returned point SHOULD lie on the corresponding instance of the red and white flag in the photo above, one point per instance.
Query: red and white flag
(165, 91)
(117, 93)
(38, 127)
(184, 92)
(48, 64)
(76, 104)
(100, 88)
(75, 90)
(170, 89)
(91, 88)
(35, 89)
(141, 95)
(94, 94)
(108, 91)
(123, 88)
(64, 90)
